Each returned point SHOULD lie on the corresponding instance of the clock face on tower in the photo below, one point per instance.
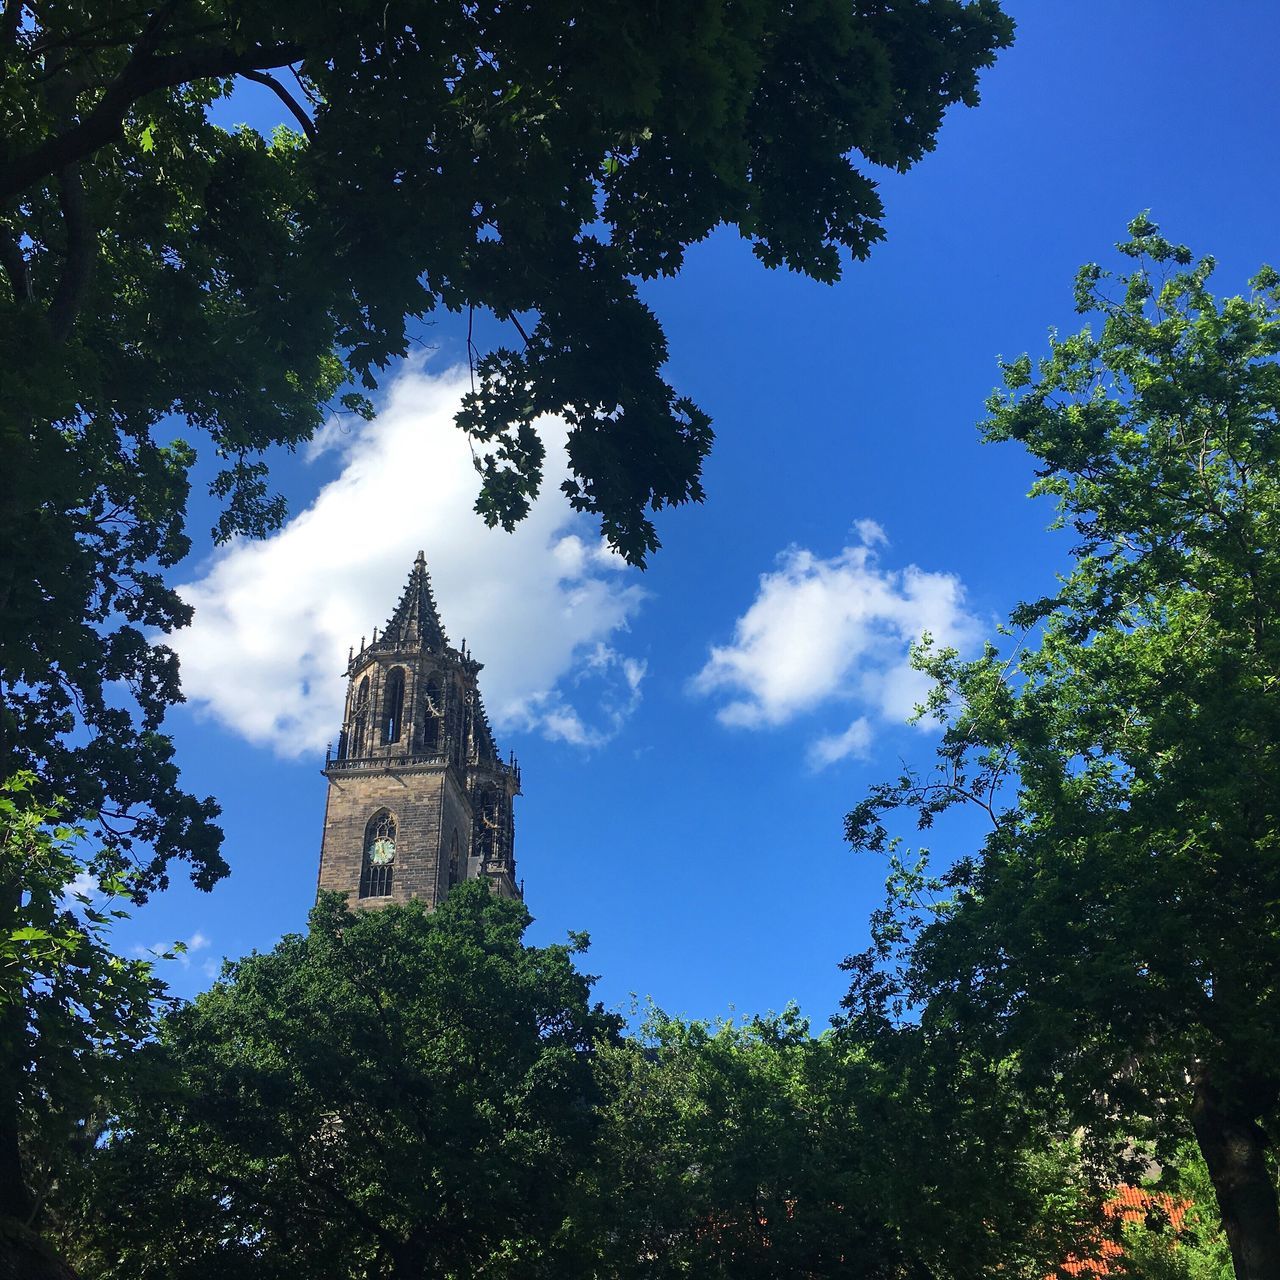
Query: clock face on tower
(382, 851)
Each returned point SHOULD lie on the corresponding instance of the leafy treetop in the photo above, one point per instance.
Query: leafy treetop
(1118, 930)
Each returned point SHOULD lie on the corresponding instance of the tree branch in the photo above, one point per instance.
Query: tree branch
(515, 320)
(307, 92)
(261, 77)
(144, 74)
(78, 267)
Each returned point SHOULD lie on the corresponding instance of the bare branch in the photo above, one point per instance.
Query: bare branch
(307, 91)
(515, 320)
(261, 77)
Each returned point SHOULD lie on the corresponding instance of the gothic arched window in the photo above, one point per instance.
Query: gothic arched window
(379, 856)
(455, 862)
(360, 719)
(393, 705)
(433, 716)
(487, 823)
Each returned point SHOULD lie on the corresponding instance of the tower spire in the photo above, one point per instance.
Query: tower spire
(419, 798)
(416, 620)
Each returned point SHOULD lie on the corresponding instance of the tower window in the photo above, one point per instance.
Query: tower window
(432, 716)
(360, 720)
(393, 705)
(379, 856)
(488, 825)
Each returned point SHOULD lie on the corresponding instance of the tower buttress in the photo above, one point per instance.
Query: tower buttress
(419, 798)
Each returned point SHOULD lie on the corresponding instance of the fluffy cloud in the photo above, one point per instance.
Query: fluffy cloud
(274, 619)
(613, 682)
(834, 630)
(854, 741)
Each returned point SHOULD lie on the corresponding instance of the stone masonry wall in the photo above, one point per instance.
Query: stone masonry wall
(417, 798)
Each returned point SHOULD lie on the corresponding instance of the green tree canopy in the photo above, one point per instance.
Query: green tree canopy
(396, 1093)
(534, 160)
(754, 1149)
(1118, 931)
(411, 1094)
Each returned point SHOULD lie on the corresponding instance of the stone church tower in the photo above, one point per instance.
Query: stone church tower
(418, 796)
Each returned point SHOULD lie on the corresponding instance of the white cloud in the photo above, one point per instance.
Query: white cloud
(871, 533)
(834, 630)
(615, 684)
(84, 886)
(274, 618)
(854, 741)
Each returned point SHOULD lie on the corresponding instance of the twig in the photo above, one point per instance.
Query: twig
(307, 91)
(515, 320)
(471, 346)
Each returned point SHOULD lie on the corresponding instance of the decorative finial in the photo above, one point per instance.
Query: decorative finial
(375, 636)
(422, 559)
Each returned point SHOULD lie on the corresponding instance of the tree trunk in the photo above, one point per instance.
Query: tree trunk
(1234, 1148)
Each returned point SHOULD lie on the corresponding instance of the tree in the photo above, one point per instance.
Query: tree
(71, 1012)
(1118, 930)
(754, 1149)
(404, 1093)
(534, 161)
(162, 275)
(397, 1093)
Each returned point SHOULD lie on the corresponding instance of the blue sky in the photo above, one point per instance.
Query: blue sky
(691, 737)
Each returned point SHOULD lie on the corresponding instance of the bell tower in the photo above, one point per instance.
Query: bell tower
(419, 798)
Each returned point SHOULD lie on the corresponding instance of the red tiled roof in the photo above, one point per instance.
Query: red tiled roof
(1129, 1204)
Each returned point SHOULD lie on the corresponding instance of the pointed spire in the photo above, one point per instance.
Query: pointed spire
(416, 621)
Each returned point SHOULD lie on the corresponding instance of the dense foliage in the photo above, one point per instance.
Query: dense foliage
(409, 1094)
(1186, 1242)
(754, 1149)
(396, 1093)
(71, 1011)
(1118, 930)
(177, 294)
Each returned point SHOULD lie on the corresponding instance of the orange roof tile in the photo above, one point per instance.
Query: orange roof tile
(1129, 1204)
